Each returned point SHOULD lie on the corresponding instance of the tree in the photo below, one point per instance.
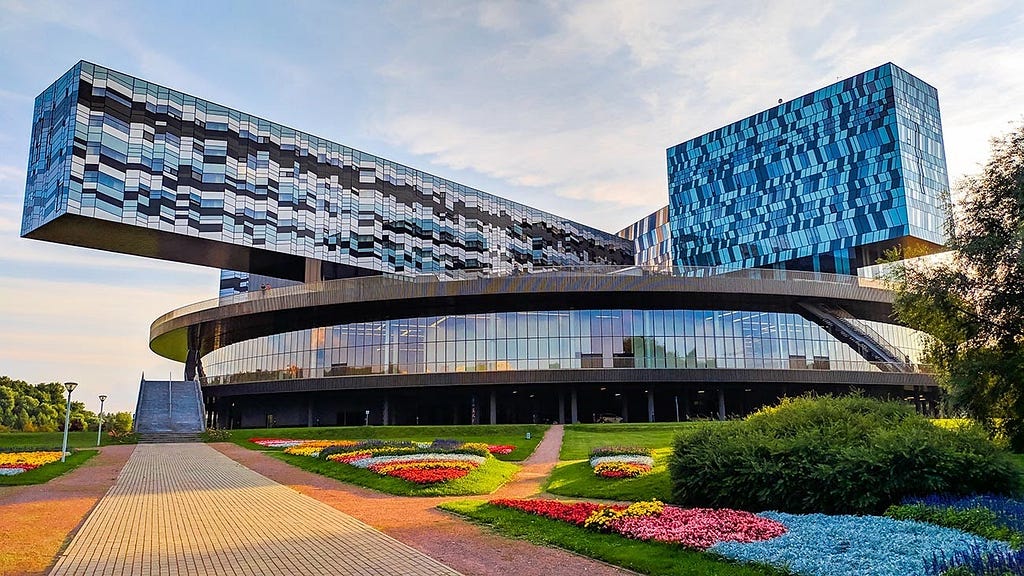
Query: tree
(973, 305)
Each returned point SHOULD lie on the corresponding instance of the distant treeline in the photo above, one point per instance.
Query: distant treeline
(40, 408)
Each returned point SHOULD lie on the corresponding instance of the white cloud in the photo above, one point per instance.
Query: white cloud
(585, 107)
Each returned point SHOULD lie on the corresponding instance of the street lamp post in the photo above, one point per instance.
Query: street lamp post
(70, 386)
(99, 431)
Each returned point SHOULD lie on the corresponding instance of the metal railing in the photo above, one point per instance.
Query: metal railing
(583, 271)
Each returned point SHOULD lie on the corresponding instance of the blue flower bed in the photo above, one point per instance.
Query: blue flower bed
(977, 562)
(821, 545)
(1009, 512)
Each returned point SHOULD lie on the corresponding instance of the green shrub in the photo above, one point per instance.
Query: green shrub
(834, 455)
(980, 521)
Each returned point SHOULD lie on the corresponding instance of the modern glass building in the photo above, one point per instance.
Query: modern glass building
(354, 288)
(825, 182)
(122, 164)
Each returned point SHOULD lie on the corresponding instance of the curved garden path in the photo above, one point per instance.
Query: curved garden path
(37, 520)
(464, 546)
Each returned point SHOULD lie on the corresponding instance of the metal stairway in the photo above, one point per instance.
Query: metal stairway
(861, 337)
(169, 411)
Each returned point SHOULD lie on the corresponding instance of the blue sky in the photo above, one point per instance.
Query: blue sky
(566, 106)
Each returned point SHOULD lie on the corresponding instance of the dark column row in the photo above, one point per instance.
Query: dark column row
(539, 404)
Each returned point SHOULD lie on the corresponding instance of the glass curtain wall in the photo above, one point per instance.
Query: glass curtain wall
(553, 340)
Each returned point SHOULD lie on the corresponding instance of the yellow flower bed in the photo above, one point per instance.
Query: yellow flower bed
(27, 459)
(313, 447)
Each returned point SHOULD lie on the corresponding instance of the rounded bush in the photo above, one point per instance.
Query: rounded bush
(836, 455)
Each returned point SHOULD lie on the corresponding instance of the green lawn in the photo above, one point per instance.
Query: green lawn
(514, 434)
(581, 438)
(50, 440)
(643, 557)
(484, 480)
(577, 479)
(49, 471)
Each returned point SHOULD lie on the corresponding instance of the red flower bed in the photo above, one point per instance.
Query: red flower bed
(572, 512)
(428, 475)
(698, 528)
(501, 449)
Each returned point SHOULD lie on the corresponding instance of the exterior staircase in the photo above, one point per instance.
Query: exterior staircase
(169, 411)
(862, 338)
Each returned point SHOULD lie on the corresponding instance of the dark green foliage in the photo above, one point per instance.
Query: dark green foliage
(834, 455)
(119, 423)
(39, 408)
(973, 306)
(980, 521)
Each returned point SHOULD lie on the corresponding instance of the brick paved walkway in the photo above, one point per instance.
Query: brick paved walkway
(36, 521)
(467, 547)
(187, 509)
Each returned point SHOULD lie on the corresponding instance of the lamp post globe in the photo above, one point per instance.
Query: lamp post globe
(99, 429)
(70, 387)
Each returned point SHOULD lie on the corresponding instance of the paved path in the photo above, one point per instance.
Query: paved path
(462, 545)
(37, 520)
(187, 509)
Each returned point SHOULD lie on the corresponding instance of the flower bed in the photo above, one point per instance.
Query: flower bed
(1008, 511)
(502, 449)
(821, 545)
(698, 528)
(12, 463)
(276, 442)
(417, 462)
(420, 463)
(621, 461)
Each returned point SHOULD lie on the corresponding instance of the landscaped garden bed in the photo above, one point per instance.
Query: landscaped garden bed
(513, 442)
(802, 544)
(440, 467)
(621, 461)
(37, 466)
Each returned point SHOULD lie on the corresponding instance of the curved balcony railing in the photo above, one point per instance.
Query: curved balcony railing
(549, 271)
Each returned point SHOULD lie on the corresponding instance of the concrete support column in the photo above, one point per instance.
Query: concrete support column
(494, 407)
(721, 404)
(650, 405)
(561, 407)
(309, 413)
(385, 412)
(573, 410)
(313, 271)
(625, 409)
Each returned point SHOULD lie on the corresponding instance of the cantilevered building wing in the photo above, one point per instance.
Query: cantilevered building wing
(122, 164)
(824, 182)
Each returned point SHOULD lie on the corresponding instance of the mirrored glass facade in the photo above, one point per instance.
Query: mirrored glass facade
(823, 182)
(113, 147)
(652, 239)
(557, 340)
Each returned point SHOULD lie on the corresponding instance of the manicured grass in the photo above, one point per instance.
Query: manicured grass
(643, 557)
(49, 471)
(50, 440)
(514, 434)
(577, 479)
(484, 480)
(581, 438)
